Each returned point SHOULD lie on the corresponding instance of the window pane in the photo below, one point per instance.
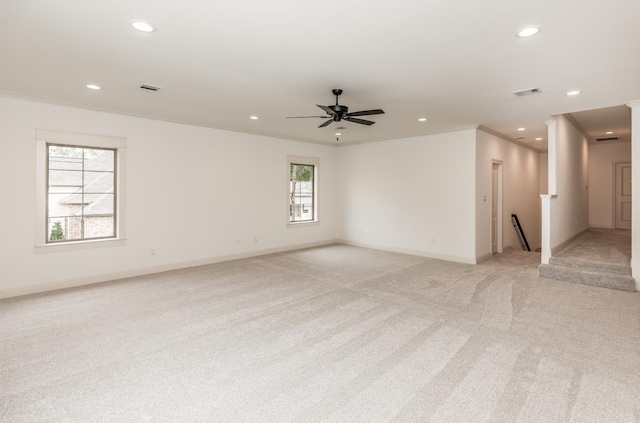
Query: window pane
(301, 205)
(98, 182)
(62, 205)
(57, 230)
(81, 193)
(98, 226)
(65, 178)
(97, 159)
(98, 205)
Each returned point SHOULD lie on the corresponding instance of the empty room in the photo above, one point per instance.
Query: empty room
(319, 212)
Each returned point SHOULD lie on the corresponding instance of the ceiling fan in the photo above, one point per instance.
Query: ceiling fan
(337, 113)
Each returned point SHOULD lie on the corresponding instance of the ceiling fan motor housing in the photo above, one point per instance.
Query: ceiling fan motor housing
(340, 112)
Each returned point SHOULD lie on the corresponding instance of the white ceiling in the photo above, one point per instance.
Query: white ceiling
(455, 63)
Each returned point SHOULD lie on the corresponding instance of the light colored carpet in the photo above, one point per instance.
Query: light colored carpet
(331, 334)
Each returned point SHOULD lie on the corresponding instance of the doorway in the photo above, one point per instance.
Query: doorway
(623, 195)
(496, 206)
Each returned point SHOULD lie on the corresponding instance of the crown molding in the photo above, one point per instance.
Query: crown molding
(580, 129)
(506, 138)
(632, 104)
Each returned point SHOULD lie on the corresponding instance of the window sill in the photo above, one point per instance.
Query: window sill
(301, 224)
(79, 245)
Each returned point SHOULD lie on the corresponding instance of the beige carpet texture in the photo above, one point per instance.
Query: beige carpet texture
(329, 334)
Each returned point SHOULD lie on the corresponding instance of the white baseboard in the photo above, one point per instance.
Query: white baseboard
(428, 254)
(89, 280)
(483, 257)
(601, 227)
(555, 250)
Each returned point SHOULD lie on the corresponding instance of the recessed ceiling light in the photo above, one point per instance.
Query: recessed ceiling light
(609, 132)
(93, 86)
(422, 119)
(528, 31)
(574, 92)
(143, 26)
(539, 139)
(253, 117)
(338, 134)
(521, 129)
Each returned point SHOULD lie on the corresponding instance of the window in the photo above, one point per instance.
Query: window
(302, 189)
(80, 189)
(81, 193)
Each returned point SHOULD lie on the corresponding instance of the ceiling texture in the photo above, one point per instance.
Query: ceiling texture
(218, 63)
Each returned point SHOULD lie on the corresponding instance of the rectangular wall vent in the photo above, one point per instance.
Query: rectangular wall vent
(528, 91)
(605, 139)
(148, 87)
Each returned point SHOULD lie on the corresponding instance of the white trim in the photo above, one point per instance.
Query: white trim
(564, 244)
(483, 258)
(44, 136)
(106, 277)
(80, 245)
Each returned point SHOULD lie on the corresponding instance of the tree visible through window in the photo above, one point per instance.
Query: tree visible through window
(302, 196)
(81, 197)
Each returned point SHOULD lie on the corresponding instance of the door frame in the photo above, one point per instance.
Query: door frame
(499, 211)
(614, 215)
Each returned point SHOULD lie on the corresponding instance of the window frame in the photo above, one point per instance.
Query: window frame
(44, 138)
(306, 161)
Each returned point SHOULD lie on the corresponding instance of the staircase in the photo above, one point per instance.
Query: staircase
(588, 272)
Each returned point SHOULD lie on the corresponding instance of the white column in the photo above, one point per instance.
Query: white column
(635, 191)
(545, 248)
(553, 154)
(545, 236)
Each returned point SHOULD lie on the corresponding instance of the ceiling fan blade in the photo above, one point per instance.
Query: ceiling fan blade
(326, 109)
(327, 123)
(367, 113)
(304, 117)
(360, 121)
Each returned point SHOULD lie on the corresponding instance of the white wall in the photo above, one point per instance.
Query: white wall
(414, 195)
(570, 210)
(602, 159)
(192, 192)
(520, 192)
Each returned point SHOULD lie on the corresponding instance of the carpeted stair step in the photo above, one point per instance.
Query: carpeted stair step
(587, 277)
(595, 266)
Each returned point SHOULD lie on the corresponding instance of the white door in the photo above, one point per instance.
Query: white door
(623, 195)
(494, 207)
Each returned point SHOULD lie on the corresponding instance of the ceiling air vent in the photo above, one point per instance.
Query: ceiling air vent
(605, 139)
(528, 91)
(148, 87)
(519, 138)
